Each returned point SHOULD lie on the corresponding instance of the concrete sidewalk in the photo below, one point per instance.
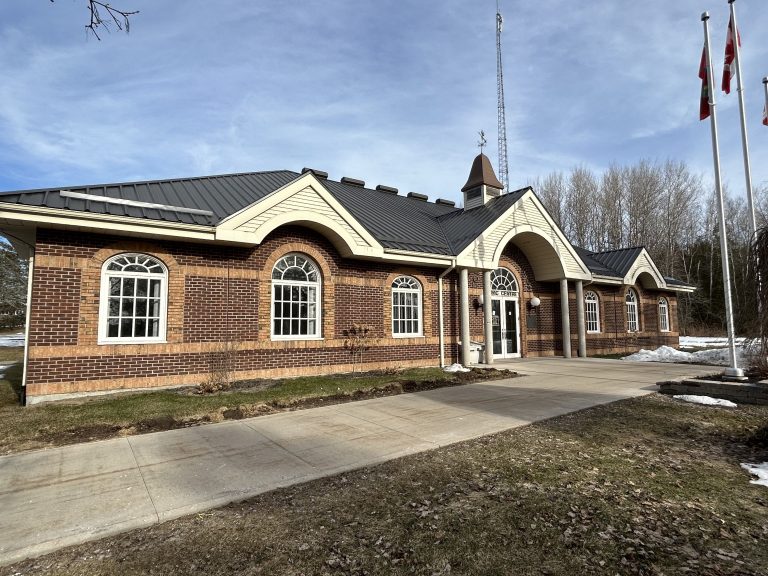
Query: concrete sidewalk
(53, 498)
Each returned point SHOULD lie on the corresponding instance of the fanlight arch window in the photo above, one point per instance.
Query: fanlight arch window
(296, 298)
(633, 320)
(592, 312)
(406, 307)
(663, 315)
(134, 294)
(504, 283)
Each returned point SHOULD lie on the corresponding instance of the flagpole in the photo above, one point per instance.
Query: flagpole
(744, 140)
(733, 371)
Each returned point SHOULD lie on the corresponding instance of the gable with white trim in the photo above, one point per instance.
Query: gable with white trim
(533, 230)
(305, 201)
(644, 265)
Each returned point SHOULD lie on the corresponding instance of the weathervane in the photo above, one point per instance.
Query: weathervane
(482, 142)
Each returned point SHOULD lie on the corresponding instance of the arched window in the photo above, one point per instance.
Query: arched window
(503, 283)
(295, 298)
(663, 315)
(592, 312)
(406, 307)
(133, 299)
(633, 322)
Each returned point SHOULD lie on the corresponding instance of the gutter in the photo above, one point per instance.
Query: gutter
(441, 335)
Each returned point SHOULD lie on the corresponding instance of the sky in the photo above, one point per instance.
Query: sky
(392, 92)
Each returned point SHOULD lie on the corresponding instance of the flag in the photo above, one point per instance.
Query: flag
(729, 68)
(765, 114)
(704, 105)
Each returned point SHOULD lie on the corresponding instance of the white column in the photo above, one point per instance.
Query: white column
(464, 308)
(488, 317)
(582, 329)
(566, 318)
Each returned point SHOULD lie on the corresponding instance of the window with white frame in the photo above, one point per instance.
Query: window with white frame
(633, 322)
(133, 299)
(295, 298)
(503, 283)
(592, 312)
(663, 315)
(406, 306)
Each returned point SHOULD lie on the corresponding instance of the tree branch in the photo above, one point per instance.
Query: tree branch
(104, 15)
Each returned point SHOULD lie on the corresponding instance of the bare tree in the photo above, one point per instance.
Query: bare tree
(104, 15)
(581, 206)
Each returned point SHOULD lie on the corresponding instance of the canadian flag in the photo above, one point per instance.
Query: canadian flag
(765, 114)
(704, 103)
(729, 68)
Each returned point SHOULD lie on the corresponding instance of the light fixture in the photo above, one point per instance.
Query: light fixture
(534, 302)
(480, 299)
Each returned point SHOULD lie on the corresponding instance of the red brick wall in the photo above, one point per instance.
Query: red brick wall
(53, 320)
(223, 293)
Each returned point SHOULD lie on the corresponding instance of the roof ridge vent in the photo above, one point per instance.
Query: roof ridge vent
(318, 173)
(417, 196)
(353, 181)
(387, 189)
(445, 202)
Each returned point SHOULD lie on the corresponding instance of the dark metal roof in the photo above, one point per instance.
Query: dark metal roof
(395, 221)
(221, 195)
(675, 282)
(620, 261)
(595, 266)
(462, 227)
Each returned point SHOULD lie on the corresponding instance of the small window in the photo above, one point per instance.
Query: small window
(663, 315)
(592, 312)
(295, 298)
(133, 299)
(633, 322)
(406, 307)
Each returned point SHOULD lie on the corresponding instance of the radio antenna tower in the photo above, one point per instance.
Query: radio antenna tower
(503, 163)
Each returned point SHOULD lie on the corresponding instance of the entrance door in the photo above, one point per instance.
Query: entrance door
(506, 332)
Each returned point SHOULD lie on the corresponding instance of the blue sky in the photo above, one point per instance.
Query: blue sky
(391, 92)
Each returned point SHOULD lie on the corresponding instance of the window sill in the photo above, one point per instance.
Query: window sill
(407, 335)
(126, 341)
(294, 338)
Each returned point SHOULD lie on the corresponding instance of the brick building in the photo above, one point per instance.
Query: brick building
(143, 285)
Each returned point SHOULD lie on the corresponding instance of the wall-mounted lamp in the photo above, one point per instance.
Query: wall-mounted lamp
(534, 302)
(480, 301)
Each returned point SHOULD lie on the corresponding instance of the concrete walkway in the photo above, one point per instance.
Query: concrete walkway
(57, 497)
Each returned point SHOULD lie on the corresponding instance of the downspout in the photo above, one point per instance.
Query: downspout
(441, 329)
(30, 271)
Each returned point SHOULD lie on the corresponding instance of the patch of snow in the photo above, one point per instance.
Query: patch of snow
(12, 340)
(717, 357)
(706, 400)
(759, 470)
(455, 368)
(707, 341)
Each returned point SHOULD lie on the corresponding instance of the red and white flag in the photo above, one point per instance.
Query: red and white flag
(704, 104)
(765, 114)
(729, 68)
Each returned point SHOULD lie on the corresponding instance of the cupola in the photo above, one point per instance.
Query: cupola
(482, 184)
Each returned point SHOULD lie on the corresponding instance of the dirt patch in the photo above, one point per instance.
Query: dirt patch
(642, 487)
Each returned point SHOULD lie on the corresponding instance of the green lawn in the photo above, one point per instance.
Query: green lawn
(39, 426)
